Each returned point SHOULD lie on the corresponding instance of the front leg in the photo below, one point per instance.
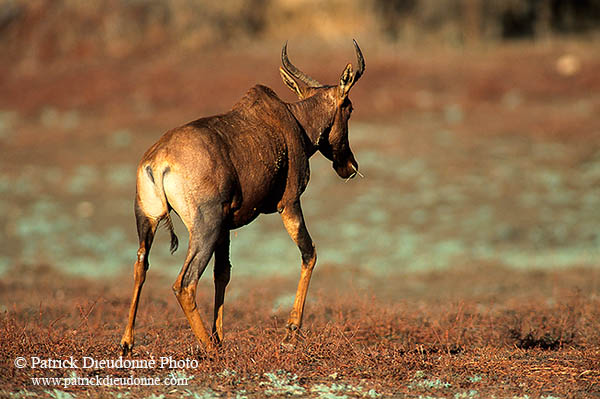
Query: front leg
(293, 221)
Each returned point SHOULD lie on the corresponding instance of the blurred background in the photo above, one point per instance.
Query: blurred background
(476, 127)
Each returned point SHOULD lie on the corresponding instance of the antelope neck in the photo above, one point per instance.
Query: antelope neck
(315, 116)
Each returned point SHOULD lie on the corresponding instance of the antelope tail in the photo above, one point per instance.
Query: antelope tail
(169, 226)
(158, 183)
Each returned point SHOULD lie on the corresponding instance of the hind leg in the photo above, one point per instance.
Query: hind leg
(222, 274)
(146, 228)
(204, 234)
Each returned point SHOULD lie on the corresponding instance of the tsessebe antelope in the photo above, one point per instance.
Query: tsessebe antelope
(219, 173)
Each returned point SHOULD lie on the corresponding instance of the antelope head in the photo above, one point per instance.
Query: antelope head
(331, 110)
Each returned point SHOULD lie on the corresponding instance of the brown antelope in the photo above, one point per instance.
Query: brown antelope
(219, 173)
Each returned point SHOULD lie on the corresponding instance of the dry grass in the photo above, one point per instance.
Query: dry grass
(512, 343)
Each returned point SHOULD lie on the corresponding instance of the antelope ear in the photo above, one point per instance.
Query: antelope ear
(346, 81)
(290, 82)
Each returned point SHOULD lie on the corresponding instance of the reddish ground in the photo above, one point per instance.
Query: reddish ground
(495, 331)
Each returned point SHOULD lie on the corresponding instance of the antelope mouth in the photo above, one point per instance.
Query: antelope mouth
(349, 171)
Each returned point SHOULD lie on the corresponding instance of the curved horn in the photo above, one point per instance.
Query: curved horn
(361, 62)
(295, 72)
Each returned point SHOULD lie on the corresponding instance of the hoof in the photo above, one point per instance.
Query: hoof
(292, 336)
(216, 341)
(126, 348)
(203, 353)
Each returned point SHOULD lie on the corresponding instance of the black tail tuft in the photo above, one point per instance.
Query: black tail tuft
(174, 242)
(174, 239)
